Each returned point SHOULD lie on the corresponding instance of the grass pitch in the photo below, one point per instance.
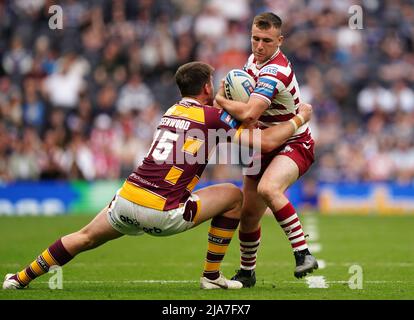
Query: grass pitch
(149, 268)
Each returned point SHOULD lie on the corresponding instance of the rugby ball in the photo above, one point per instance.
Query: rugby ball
(238, 85)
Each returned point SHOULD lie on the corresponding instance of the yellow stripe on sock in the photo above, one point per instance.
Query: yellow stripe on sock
(214, 248)
(36, 268)
(221, 232)
(48, 258)
(212, 266)
(23, 277)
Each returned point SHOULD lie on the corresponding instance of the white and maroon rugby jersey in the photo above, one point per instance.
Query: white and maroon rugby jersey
(276, 84)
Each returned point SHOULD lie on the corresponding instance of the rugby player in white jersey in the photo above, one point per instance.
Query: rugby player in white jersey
(275, 100)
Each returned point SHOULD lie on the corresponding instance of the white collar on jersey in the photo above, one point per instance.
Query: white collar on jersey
(190, 100)
(274, 55)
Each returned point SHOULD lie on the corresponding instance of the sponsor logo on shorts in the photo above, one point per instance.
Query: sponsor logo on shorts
(287, 149)
(129, 220)
(152, 230)
(306, 144)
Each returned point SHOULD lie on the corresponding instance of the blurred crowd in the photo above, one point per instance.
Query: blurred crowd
(82, 102)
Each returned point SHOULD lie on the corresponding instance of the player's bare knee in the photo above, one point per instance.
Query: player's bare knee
(237, 209)
(238, 200)
(269, 192)
(235, 194)
(86, 240)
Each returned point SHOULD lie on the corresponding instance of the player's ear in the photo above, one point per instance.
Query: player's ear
(281, 38)
(208, 88)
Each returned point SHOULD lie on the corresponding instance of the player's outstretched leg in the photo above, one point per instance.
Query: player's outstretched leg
(225, 214)
(63, 250)
(54, 255)
(220, 234)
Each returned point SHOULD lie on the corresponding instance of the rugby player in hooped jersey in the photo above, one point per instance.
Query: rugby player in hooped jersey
(274, 101)
(158, 199)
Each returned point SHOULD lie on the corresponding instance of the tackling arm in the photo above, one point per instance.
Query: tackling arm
(271, 138)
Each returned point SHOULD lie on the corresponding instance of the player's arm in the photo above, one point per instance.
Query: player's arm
(244, 112)
(271, 138)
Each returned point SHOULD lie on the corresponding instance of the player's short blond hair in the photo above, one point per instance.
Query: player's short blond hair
(267, 20)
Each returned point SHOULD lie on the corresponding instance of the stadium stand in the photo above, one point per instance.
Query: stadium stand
(82, 102)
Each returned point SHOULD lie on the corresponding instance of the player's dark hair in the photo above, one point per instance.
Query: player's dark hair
(191, 77)
(266, 20)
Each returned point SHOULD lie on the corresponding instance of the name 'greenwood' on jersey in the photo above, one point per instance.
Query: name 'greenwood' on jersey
(168, 174)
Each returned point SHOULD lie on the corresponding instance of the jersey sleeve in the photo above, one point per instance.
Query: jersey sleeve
(267, 85)
(221, 119)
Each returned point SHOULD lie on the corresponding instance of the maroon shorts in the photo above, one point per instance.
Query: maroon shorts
(301, 151)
